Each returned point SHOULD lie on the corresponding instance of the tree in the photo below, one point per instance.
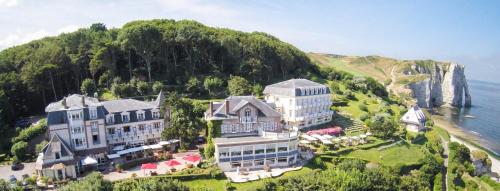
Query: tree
(383, 126)
(40, 146)
(193, 86)
(157, 87)
(238, 86)
(213, 85)
(257, 90)
(19, 150)
(88, 87)
(184, 122)
(142, 88)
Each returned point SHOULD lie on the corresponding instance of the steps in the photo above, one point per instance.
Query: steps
(347, 123)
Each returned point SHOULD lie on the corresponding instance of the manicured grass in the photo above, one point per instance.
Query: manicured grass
(398, 154)
(205, 184)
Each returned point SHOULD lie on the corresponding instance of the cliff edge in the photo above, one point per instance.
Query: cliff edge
(426, 83)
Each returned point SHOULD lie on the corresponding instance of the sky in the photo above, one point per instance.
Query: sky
(464, 32)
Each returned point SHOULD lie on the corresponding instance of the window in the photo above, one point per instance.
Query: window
(141, 127)
(247, 163)
(77, 130)
(224, 153)
(140, 116)
(94, 126)
(126, 129)
(282, 160)
(111, 131)
(125, 118)
(93, 112)
(157, 125)
(270, 148)
(110, 119)
(270, 161)
(95, 139)
(58, 155)
(259, 162)
(235, 164)
(248, 150)
(156, 115)
(259, 149)
(248, 113)
(78, 142)
(283, 147)
(235, 151)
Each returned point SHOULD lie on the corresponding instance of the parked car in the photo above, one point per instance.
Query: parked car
(17, 166)
(12, 179)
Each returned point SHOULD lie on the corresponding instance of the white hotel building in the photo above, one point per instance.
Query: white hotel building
(301, 102)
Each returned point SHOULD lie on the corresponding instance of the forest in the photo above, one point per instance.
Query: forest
(146, 53)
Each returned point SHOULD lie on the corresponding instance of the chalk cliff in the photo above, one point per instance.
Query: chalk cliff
(443, 84)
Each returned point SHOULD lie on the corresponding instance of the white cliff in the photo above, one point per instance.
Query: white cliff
(445, 85)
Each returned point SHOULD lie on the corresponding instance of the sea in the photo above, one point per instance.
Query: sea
(482, 120)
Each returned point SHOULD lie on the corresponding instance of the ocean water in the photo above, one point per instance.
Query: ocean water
(482, 120)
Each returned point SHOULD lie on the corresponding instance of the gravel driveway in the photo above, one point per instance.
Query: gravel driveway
(5, 171)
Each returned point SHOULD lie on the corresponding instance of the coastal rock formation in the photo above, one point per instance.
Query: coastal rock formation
(438, 84)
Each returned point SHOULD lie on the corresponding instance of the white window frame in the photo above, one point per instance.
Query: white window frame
(93, 112)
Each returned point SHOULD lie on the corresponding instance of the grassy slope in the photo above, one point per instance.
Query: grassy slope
(398, 154)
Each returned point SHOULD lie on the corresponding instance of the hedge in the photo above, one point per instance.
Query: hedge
(31, 132)
(362, 147)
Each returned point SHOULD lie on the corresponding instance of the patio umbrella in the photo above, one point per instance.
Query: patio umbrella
(89, 161)
(192, 158)
(148, 166)
(172, 163)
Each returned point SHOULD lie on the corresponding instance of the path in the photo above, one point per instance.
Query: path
(393, 79)
(444, 170)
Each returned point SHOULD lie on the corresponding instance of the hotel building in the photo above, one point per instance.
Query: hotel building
(302, 103)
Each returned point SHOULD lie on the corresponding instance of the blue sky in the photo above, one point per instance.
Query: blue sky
(466, 32)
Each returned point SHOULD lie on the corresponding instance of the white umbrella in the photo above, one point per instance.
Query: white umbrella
(88, 161)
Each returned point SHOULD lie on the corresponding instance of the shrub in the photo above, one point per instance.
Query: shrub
(438, 182)
(31, 132)
(363, 107)
(363, 117)
(88, 87)
(19, 150)
(39, 146)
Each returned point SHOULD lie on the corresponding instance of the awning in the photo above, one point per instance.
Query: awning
(113, 156)
(157, 146)
(304, 142)
(58, 166)
(89, 161)
(119, 148)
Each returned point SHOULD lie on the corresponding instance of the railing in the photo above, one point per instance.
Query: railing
(280, 135)
(248, 120)
(132, 133)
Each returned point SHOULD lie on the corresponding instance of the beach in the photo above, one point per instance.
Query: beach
(457, 135)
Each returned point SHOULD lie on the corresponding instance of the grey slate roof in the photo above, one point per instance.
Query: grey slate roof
(65, 149)
(292, 87)
(72, 102)
(121, 105)
(237, 102)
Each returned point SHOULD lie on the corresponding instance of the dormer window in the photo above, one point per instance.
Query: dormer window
(125, 117)
(110, 119)
(140, 115)
(93, 112)
(248, 113)
(156, 114)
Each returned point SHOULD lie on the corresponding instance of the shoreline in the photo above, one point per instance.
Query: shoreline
(470, 141)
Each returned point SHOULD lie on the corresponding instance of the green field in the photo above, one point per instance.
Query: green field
(399, 154)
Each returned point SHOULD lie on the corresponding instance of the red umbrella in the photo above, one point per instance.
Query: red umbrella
(148, 166)
(192, 158)
(172, 163)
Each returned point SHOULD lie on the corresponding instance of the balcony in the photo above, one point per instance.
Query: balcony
(248, 120)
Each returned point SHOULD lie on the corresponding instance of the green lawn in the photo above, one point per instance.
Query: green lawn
(398, 154)
(219, 184)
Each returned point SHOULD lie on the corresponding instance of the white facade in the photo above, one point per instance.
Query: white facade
(414, 119)
(301, 105)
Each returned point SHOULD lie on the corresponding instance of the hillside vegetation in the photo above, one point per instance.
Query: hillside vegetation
(139, 59)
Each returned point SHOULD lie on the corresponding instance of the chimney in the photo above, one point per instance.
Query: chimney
(211, 109)
(226, 106)
(83, 101)
(63, 102)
